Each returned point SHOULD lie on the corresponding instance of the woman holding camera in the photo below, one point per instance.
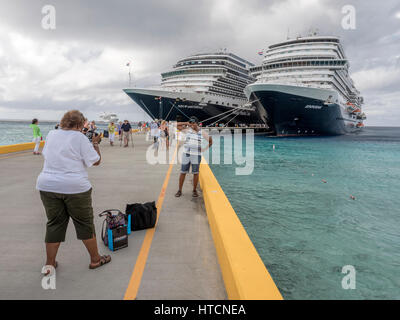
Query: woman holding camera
(65, 189)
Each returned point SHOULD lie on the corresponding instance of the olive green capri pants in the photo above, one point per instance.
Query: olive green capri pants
(60, 207)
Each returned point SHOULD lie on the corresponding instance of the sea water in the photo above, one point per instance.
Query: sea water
(13, 132)
(315, 205)
(304, 229)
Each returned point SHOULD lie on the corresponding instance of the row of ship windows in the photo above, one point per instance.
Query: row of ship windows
(192, 82)
(302, 49)
(188, 61)
(305, 64)
(219, 84)
(293, 63)
(291, 71)
(293, 75)
(218, 95)
(212, 62)
(231, 84)
(299, 51)
(234, 85)
(226, 92)
(219, 71)
(223, 103)
(296, 59)
(303, 42)
(240, 80)
(192, 71)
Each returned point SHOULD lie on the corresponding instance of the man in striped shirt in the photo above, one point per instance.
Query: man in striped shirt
(192, 149)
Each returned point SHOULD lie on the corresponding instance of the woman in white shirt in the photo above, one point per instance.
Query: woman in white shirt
(65, 188)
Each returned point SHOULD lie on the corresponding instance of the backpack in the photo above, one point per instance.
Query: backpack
(143, 216)
(114, 232)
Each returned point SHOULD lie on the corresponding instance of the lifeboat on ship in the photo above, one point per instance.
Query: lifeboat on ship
(350, 107)
(360, 125)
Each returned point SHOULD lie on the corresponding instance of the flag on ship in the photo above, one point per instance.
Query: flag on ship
(260, 53)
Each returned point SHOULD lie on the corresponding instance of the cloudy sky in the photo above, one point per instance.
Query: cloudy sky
(82, 62)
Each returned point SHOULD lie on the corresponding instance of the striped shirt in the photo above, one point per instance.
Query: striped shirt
(192, 143)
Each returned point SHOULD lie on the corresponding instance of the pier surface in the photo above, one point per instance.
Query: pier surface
(181, 261)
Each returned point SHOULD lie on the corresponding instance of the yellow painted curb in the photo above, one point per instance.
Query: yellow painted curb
(19, 147)
(244, 273)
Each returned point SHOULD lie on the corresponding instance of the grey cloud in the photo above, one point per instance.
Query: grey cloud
(173, 29)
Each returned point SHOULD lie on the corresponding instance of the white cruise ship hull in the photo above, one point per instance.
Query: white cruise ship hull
(291, 110)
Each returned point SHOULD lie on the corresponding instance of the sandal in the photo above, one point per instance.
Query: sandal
(178, 194)
(195, 194)
(103, 260)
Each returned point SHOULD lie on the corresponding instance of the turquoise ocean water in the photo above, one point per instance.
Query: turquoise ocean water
(306, 230)
(12, 132)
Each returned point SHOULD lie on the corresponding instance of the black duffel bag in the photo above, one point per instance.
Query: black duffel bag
(105, 133)
(143, 215)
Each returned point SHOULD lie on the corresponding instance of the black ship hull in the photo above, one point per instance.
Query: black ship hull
(173, 108)
(298, 114)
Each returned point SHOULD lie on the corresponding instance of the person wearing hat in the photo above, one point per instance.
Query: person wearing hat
(126, 130)
(191, 156)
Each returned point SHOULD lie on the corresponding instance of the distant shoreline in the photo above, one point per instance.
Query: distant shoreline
(24, 120)
(42, 121)
(104, 122)
(100, 121)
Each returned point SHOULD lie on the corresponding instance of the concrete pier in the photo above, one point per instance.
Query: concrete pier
(181, 260)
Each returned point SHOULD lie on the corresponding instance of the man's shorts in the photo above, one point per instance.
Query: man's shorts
(60, 207)
(190, 160)
(126, 135)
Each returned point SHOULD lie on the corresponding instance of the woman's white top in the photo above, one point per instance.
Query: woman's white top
(67, 154)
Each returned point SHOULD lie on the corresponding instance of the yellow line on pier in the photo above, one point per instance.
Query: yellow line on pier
(15, 155)
(136, 277)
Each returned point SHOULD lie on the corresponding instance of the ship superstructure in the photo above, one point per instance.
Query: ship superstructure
(208, 85)
(303, 87)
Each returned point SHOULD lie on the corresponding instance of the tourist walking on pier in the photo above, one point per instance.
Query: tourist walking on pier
(164, 134)
(126, 131)
(191, 156)
(37, 136)
(111, 133)
(65, 189)
(154, 130)
(119, 131)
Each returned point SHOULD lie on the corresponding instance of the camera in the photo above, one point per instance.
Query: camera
(89, 134)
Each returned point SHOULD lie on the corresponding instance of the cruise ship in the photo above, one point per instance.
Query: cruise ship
(209, 86)
(303, 87)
